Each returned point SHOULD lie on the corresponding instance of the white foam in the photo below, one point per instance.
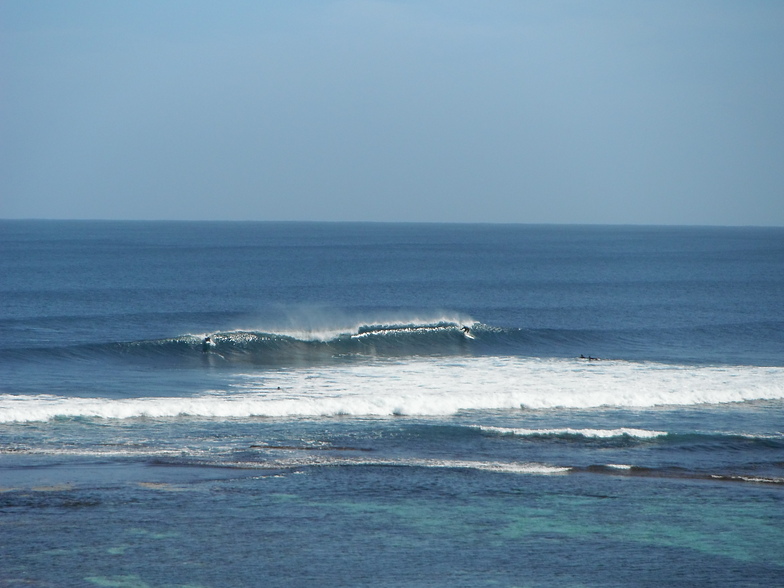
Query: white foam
(317, 460)
(594, 433)
(510, 468)
(491, 466)
(323, 328)
(754, 479)
(429, 387)
(93, 452)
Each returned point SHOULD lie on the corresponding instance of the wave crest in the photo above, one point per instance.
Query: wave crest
(575, 433)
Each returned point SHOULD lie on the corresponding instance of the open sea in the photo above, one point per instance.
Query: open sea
(211, 405)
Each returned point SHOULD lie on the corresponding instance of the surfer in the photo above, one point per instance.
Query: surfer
(467, 332)
(205, 346)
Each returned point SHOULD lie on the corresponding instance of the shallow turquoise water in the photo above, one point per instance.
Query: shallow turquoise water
(383, 526)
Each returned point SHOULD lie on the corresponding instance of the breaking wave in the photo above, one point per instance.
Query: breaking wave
(442, 336)
(575, 433)
(339, 340)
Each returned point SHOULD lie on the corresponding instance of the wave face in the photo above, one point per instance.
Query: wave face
(440, 336)
(399, 339)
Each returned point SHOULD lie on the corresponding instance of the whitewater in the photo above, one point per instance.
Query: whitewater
(428, 387)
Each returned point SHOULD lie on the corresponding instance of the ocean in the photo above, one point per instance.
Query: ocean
(214, 404)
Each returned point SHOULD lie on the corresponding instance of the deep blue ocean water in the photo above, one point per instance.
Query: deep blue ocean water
(298, 404)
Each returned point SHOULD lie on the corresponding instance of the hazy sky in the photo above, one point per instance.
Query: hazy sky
(653, 112)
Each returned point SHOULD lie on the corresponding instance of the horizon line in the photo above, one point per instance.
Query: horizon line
(384, 222)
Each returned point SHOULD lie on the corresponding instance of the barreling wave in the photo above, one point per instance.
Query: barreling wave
(414, 336)
(443, 336)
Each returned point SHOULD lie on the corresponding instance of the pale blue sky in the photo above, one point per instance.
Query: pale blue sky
(637, 112)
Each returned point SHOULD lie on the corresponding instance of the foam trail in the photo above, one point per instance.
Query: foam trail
(428, 387)
(591, 433)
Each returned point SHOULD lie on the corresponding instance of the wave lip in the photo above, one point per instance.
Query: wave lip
(366, 331)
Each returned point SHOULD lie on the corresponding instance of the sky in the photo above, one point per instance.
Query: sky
(600, 112)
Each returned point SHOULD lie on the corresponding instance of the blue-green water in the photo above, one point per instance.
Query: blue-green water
(339, 428)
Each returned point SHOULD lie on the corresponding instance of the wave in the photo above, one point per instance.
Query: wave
(624, 436)
(575, 433)
(298, 461)
(278, 459)
(426, 386)
(440, 336)
(676, 473)
(437, 334)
